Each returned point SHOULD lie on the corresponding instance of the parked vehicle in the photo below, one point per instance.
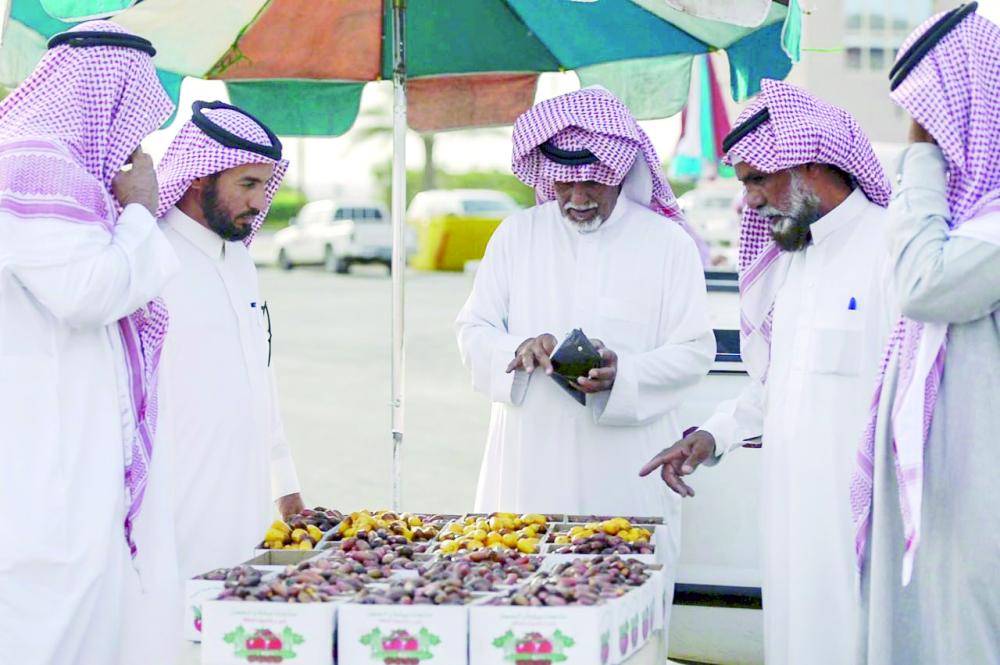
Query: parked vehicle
(453, 226)
(717, 615)
(337, 235)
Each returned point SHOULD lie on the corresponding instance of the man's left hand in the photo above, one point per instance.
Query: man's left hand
(290, 504)
(603, 377)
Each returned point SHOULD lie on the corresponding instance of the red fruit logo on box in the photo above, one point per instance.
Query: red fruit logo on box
(197, 617)
(605, 646)
(534, 648)
(263, 645)
(399, 647)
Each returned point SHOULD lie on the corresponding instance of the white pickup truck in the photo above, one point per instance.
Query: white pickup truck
(337, 235)
(716, 616)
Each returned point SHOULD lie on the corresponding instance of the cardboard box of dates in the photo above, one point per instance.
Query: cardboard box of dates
(591, 611)
(209, 585)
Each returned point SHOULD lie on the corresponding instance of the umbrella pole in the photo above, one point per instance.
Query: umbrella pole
(398, 240)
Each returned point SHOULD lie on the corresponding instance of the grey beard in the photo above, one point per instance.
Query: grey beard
(589, 227)
(582, 227)
(790, 228)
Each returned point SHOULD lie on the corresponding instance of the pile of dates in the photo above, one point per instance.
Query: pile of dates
(387, 524)
(301, 531)
(614, 536)
(499, 532)
(414, 591)
(367, 540)
(580, 582)
(482, 570)
(308, 582)
(377, 563)
(238, 576)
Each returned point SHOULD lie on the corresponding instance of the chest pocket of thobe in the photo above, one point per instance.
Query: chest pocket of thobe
(837, 344)
(622, 324)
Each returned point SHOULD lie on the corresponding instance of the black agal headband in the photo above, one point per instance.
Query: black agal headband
(89, 38)
(227, 138)
(926, 42)
(751, 123)
(567, 157)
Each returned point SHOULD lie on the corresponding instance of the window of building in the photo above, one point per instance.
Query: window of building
(854, 58)
(876, 58)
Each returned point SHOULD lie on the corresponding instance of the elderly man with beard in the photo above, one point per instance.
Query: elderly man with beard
(815, 317)
(218, 406)
(605, 250)
(926, 495)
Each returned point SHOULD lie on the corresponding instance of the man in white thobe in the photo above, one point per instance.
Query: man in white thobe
(603, 252)
(217, 395)
(816, 315)
(81, 259)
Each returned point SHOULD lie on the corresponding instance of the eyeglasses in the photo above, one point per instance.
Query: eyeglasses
(266, 311)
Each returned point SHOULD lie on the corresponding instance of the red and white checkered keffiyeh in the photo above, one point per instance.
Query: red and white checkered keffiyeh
(194, 154)
(65, 133)
(801, 130)
(592, 119)
(952, 93)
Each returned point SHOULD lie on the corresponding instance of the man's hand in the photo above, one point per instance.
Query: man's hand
(603, 377)
(681, 459)
(290, 504)
(918, 134)
(534, 352)
(138, 185)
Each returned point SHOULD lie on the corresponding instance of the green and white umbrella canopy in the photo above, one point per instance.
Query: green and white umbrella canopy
(300, 66)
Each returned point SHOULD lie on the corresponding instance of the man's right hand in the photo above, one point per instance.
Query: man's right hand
(534, 352)
(681, 459)
(138, 185)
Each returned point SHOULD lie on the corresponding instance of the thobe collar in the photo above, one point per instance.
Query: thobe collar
(200, 236)
(849, 210)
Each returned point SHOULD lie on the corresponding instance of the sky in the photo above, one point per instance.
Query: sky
(325, 167)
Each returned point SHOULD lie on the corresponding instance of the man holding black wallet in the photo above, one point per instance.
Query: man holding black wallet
(587, 323)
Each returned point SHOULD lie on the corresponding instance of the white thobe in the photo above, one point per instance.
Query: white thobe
(65, 418)
(636, 284)
(811, 411)
(218, 407)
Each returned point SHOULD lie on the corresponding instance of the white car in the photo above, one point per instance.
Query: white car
(336, 235)
(712, 209)
(460, 203)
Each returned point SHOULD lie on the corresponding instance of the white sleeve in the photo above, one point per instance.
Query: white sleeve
(651, 384)
(737, 420)
(486, 346)
(939, 277)
(101, 289)
(284, 477)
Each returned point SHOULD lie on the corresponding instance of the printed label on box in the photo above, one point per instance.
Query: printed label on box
(402, 635)
(236, 633)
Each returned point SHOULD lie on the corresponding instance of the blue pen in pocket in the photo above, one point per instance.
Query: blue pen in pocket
(853, 304)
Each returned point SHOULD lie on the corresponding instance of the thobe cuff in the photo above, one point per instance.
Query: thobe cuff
(922, 167)
(507, 387)
(620, 405)
(722, 427)
(133, 227)
(284, 478)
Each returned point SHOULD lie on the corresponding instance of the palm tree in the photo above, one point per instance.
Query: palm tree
(375, 126)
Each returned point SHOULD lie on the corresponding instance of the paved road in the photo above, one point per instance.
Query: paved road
(331, 350)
